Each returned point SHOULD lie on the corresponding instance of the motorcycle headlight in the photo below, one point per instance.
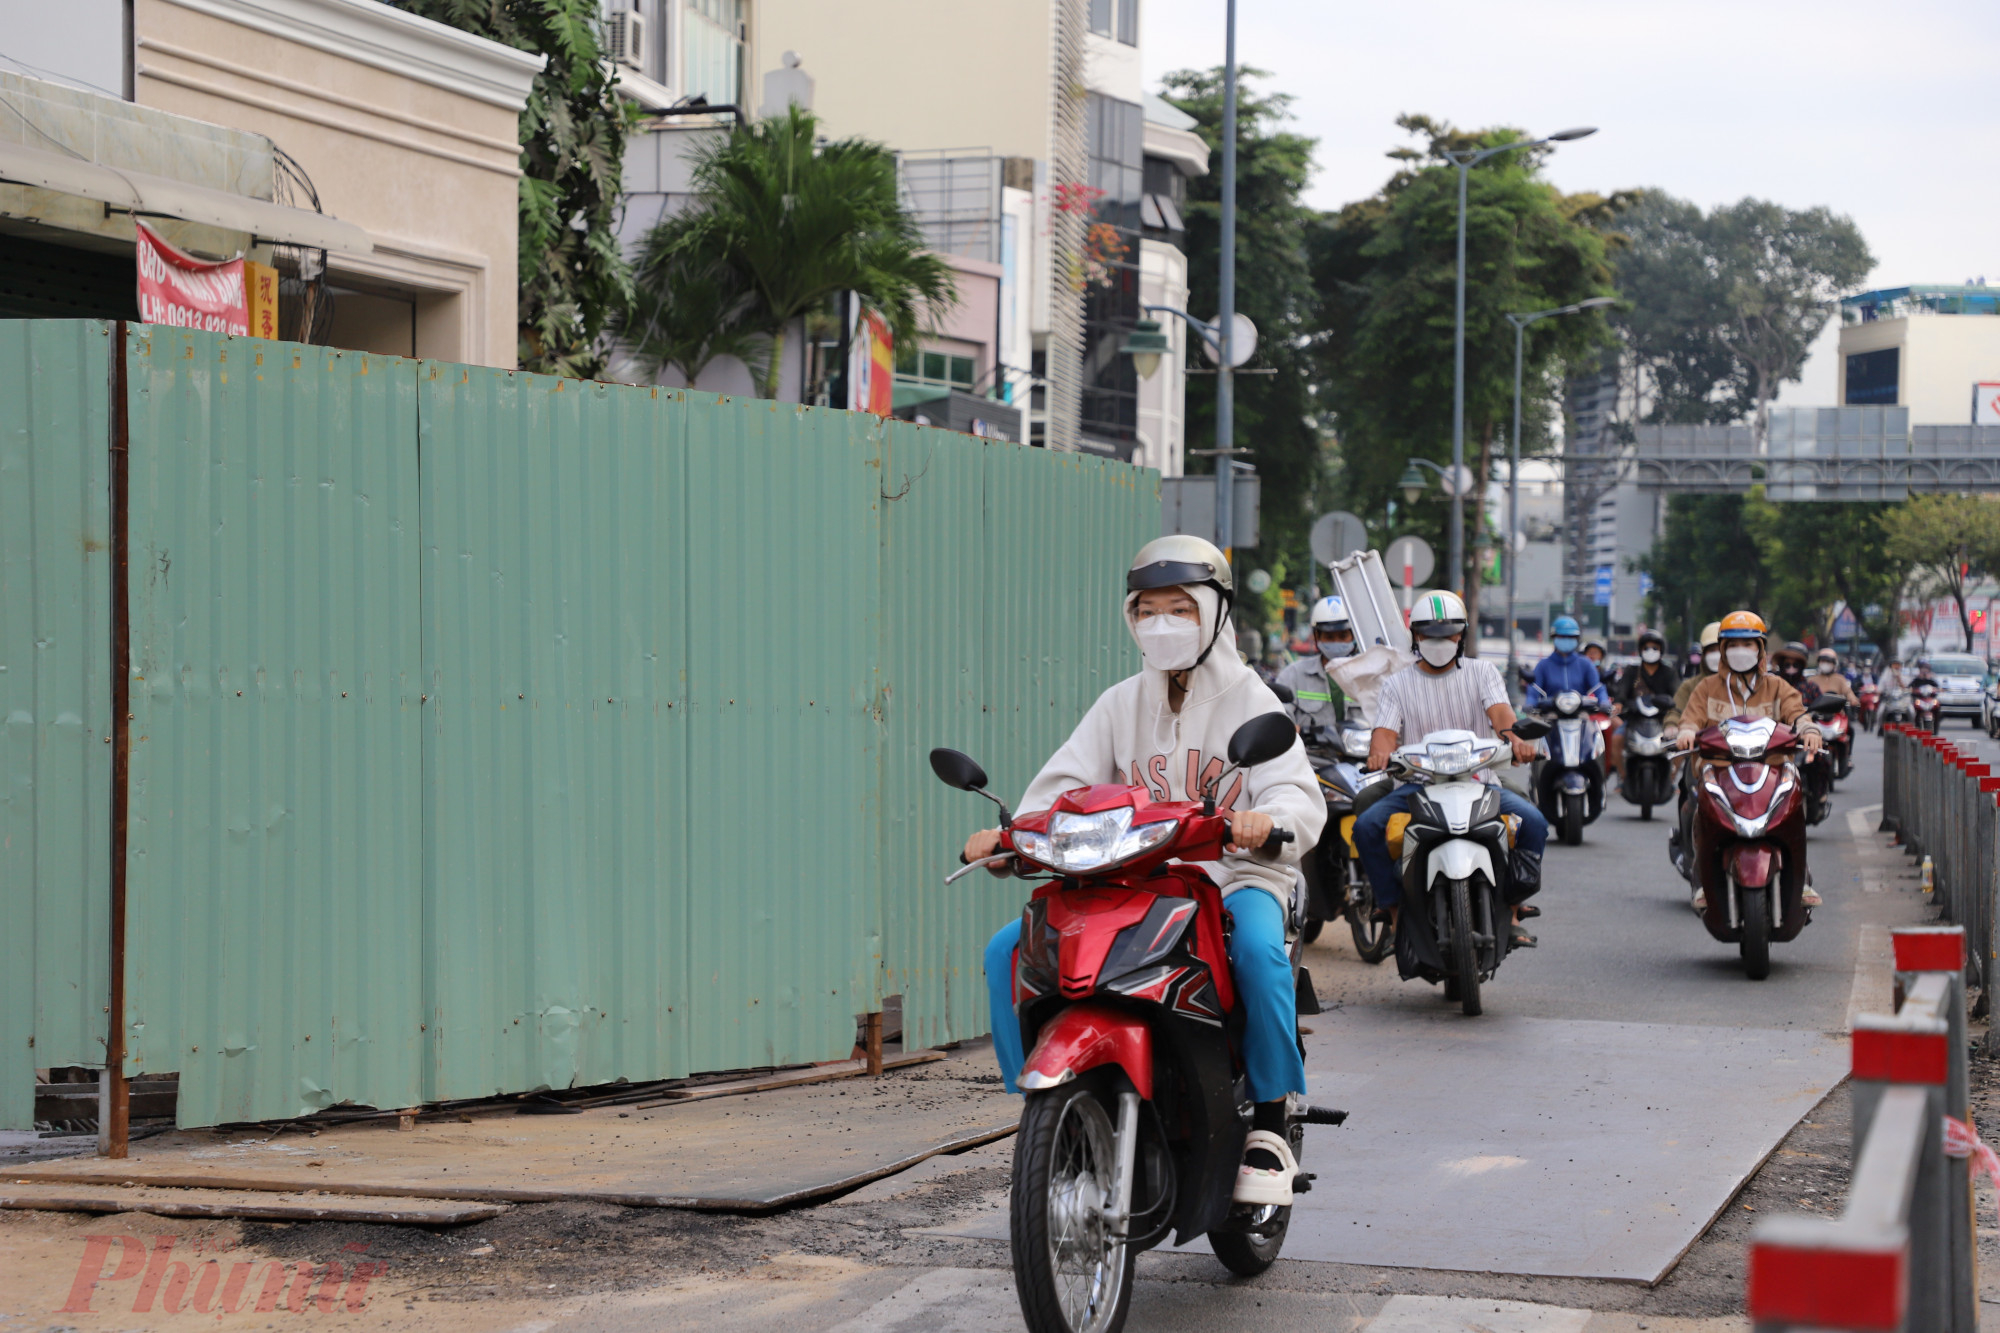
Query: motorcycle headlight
(1077, 844)
(1568, 701)
(1647, 744)
(1354, 741)
(1449, 759)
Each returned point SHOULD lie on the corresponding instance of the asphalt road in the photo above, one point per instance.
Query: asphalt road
(1619, 943)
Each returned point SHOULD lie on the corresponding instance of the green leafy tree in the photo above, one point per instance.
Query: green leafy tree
(1819, 554)
(1707, 562)
(789, 223)
(690, 305)
(1386, 270)
(1947, 538)
(1780, 271)
(1276, 415)
(573, 282)
(1673, 317)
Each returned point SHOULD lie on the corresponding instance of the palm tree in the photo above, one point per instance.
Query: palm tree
(690, 305)
(788, 223)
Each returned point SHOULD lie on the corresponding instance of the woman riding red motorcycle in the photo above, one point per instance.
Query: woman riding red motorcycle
(1168, 729)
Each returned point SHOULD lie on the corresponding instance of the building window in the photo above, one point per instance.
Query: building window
(1872, 377)
(713, 34)
(1116, 132)
(945, 370)
(1163, 206)
(1118, 19)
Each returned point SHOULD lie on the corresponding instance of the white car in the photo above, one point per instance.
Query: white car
(1961, 680)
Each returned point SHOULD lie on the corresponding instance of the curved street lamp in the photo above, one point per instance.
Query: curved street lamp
(1465, 160)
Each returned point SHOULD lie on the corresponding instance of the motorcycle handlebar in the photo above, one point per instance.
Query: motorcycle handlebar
(1279, 837)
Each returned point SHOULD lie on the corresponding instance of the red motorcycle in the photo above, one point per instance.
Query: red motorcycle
(1836, 728)
(1871, 704)
(1136, 1109)
(1750, 838)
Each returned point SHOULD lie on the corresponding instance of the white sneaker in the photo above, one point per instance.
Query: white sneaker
(1811, 897)
(1699, 902)
(1259, 1186)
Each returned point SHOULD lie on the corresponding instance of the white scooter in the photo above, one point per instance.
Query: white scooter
(1455, 861)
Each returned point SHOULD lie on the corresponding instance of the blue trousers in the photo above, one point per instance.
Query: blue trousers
(1258, 963)
(1371, 837)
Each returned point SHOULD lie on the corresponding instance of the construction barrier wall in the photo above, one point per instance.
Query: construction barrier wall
(492, 732)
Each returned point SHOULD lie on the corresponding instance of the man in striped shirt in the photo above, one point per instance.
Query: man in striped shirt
(1446, 691)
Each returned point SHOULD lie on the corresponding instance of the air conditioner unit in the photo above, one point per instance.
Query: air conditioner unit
(625, 35)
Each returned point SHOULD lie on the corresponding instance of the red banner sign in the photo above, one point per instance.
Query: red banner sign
(231, 296)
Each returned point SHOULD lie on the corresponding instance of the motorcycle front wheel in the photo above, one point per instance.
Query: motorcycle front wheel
(1572, 820)
(1373, 939)
(1071, 1274)
(1756, 943)
(1464, 948)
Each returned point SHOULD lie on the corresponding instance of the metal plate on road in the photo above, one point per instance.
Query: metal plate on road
(1337, 535)
(1552, 1147)
(1414, 552)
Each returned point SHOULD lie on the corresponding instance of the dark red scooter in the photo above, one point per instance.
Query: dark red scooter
(1750, 838)
(1136, 1108)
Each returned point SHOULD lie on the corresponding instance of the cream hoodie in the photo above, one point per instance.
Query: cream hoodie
(1131, 736)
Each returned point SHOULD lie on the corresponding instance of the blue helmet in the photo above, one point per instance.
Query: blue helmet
(1567, 626)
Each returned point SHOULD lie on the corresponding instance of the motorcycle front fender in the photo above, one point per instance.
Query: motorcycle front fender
(1461, 858)
(1752, 864)
(1087, 1036)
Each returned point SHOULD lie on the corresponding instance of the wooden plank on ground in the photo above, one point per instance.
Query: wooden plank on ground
(791, 1078)
(291, 1207)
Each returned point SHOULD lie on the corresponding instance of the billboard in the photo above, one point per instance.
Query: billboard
(1986, 403)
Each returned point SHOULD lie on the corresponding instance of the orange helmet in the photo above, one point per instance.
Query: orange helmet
(1742, 625)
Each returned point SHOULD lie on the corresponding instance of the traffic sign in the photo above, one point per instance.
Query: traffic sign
(1603, 597)
(1413, 552)
(1259, 580)
(1338, 535)
(1242, 342)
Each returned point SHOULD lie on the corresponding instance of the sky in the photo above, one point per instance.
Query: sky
(1886, 112)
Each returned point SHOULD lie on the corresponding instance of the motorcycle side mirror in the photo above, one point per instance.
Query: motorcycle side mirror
(1284, 692)
(1530, 728)
(955, 769)
(1261, 739)
(963, 772)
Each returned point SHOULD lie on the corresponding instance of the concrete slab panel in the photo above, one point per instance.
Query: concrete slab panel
(1546, 1147)
(1553, 1147)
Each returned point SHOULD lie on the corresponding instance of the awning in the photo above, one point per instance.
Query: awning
(141, 192)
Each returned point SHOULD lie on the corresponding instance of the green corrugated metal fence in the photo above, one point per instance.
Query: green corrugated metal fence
(495, 732)
(55, 703)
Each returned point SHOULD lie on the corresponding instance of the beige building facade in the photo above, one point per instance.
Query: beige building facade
(406, 128)
(1924, 348)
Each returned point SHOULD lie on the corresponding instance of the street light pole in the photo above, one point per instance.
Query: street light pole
(1521, 323)
(1465, 160)
(1225, 380)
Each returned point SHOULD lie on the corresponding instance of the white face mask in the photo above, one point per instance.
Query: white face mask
(1712, 659)
(1169, 643)
(1742, 659)
(1438, 652)
(1826, 668)
(1649, 655)
(1333, 651)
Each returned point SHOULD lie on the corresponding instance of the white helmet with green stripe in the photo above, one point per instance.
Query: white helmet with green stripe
(1439, 615)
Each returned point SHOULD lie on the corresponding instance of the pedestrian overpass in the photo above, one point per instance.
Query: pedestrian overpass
(1813, 453)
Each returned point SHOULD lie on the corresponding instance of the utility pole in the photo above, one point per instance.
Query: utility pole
(1225, 378)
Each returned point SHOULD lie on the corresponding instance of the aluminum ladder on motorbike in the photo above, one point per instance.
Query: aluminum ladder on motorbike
(1900, 1258)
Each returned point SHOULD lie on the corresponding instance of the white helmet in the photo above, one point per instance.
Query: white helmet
(1437, 615)
(1329, 611)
